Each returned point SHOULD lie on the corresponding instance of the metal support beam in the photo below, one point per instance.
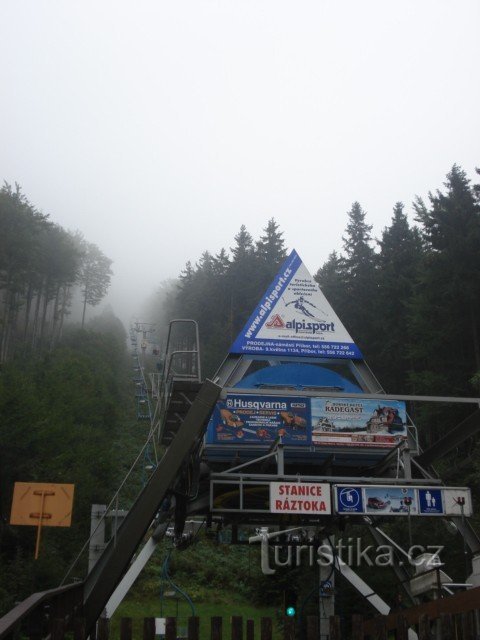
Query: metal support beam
(329, 555)
(407, 463)
(402, 574)
(468, 533)
(365, 377)
(350, 480)
(360, 585)
(102, 580)
(137, 565)
(97, 534)
(341, 394)
(232, 369)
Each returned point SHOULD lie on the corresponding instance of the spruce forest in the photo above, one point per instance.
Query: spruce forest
(63, 387)
(410, 299)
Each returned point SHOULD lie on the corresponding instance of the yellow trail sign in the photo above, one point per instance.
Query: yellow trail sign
(42, 504)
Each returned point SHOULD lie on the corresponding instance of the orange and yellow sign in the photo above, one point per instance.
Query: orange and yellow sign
(41, 504)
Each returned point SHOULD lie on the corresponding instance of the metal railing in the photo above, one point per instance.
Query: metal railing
(179, 364)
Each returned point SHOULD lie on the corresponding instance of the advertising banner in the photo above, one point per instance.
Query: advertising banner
(391, 500)
(357, 422)
(260, 420)
(295, 319)
(343, 422)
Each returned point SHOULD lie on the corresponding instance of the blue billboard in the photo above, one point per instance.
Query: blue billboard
(260, 420)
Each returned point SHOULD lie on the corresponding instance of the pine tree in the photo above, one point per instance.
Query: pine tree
(221, 264)
(447, 305)
(331, 278)
(399, 261)
(244, 278)
(271, 246)
(358, 310)
(243, 245)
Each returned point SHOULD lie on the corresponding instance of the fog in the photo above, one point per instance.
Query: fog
(158, 128)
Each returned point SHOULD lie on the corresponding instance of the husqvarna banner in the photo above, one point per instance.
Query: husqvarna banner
(294, 318)
(307, 421)
(260, 419)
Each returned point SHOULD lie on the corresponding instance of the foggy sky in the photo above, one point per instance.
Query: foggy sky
(158, 128)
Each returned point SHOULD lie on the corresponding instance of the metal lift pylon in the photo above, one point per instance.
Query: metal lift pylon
(410, 471)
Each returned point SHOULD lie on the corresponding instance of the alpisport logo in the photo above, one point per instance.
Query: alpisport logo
(310, 327)
(275, 323)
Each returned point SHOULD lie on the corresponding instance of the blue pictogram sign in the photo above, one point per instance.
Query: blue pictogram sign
(430, 501)
(349, 500)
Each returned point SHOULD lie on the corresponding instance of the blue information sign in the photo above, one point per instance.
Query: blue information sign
(430, 501)
(349, 500)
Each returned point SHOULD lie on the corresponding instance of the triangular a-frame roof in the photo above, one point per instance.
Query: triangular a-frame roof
(293, 318)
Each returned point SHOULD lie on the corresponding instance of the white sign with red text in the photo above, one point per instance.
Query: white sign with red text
(312, 498)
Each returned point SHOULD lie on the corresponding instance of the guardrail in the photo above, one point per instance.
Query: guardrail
(34, 616)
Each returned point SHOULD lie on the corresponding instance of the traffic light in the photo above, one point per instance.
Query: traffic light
(290, 603)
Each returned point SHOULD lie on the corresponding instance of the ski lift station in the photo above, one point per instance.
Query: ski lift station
(293, 436)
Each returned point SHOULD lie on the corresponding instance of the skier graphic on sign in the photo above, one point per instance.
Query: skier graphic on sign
(299, 304)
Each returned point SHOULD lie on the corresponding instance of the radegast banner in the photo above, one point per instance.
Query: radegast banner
(348, 421)
(295, 319)
(307, 421)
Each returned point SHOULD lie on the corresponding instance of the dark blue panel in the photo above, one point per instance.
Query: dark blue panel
(299, 376)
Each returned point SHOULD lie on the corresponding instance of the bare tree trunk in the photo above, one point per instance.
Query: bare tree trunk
(5, 343)
(9, 328)
(14, 323)
(44, 312)
(476, 342)
(84, 304)
(55, 318)
(65, 305)
(28, 308)
(35, 317)
(6, 326)
(6, 313)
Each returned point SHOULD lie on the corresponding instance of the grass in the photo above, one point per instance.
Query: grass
(222, 604)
